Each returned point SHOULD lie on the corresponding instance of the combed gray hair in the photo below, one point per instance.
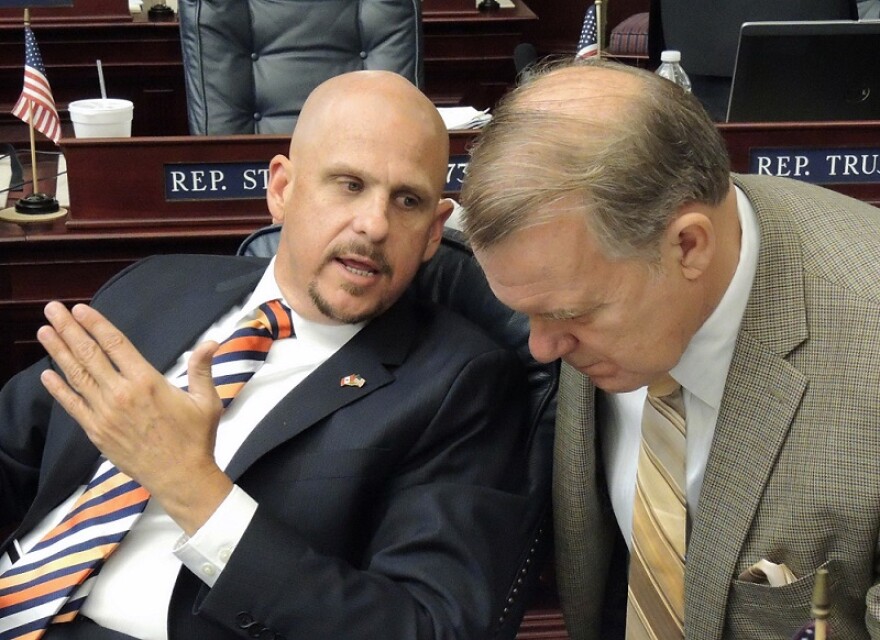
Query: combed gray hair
(627, 174)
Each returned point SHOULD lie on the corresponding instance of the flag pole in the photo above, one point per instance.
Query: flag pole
(600, 27)
(34, 172)
(821, 606)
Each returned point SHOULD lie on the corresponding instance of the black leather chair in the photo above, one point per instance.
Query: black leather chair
(454, 279)
(250, 64)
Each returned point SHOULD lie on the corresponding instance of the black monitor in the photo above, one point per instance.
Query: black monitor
(806, 71)
(706, 32)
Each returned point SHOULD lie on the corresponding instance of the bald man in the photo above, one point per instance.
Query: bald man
(601, 204)
(310, 507)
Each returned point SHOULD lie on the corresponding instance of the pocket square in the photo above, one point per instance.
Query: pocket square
(769, 573)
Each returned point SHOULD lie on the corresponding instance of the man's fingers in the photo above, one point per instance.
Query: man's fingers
(118, 349)
(198, 370)
(74, 339)
(70, 401)
(77, 375)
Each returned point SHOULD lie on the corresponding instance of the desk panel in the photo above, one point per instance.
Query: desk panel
(746, 142)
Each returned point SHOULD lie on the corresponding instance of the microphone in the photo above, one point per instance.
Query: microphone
(524, 56)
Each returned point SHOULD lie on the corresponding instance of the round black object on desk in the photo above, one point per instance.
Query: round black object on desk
(160, 13)
(37, 203)
(488, 5)
(36, 207)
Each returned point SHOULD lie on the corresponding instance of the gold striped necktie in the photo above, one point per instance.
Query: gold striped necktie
(655, 608)
(50, 582)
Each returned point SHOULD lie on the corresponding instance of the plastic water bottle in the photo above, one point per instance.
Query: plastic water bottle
(671, 69)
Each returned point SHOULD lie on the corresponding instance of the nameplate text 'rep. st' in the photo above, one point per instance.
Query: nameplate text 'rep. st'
(248, 180)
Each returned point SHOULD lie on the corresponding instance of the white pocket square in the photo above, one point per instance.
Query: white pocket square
(770, 573)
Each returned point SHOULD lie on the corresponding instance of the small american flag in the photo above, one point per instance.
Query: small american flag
(588, 45)
(37, 92)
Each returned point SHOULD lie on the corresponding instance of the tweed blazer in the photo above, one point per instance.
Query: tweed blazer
(793, 474)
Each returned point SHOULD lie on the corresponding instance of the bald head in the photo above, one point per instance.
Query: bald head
(349, 103)
(586, 90)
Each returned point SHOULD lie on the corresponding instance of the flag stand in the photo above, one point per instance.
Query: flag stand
(37, 206)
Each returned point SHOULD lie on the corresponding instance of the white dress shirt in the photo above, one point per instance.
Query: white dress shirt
(133, 590)
(701, 371)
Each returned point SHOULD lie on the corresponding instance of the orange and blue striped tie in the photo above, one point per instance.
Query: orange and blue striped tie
(49, 583)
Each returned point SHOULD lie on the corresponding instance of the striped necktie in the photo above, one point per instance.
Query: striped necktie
(49, 583)
(655, 607)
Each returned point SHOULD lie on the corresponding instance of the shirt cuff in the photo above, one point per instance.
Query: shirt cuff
(208, 551)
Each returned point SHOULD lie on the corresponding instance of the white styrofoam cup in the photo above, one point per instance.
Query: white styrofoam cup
(101, 118)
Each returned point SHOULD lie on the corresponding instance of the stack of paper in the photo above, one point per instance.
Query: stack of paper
(464, 117)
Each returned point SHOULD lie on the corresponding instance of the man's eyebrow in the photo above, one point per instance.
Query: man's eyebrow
(560, 314)
(569, 314)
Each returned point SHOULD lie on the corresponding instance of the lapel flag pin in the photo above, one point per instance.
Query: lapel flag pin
(352, 380)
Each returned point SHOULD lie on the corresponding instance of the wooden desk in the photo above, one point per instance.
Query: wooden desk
(468, 60)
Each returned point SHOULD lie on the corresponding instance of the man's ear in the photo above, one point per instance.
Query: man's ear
(693, 239)
(435, 232)
(280, 176)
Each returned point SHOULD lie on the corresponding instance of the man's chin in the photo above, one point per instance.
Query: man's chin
(612, 381)
(615, 386)
(351, 310)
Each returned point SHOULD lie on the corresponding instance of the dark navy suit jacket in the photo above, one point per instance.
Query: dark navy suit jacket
(389, 511)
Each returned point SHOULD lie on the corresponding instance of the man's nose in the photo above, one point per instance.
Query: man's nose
(548, 343)
(371, 219)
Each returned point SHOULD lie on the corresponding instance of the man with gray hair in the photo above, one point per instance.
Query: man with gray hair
(718, 409)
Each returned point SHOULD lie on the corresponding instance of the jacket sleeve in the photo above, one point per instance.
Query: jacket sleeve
(25, 408)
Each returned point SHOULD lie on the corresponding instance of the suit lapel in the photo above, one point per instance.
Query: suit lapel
(200, 312)
(762, 395)
(373, 354)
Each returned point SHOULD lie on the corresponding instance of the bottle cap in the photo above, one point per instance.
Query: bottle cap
(670, 55)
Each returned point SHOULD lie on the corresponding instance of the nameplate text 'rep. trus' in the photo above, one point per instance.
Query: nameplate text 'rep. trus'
(818, 165)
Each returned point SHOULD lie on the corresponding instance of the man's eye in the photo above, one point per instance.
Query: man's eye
(409, 202)
(351, 185)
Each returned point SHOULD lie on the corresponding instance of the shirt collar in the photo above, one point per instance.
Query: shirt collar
(703, 367)
(267, 289)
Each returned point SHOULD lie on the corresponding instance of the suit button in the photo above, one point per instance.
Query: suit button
(244, 619)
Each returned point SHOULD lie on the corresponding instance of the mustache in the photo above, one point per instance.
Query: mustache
(369, 252)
